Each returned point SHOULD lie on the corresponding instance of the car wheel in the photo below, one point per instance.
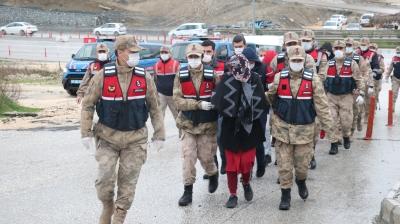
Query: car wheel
(116, 33)
(71, 92)
(22, 33)
(3, 32)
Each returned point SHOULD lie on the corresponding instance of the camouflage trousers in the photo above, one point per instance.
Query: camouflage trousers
(341, 107)
(291, 157)
(130, 161)
(167, 101)
(395, 88)
(202, 147)
(377, 90)
(358, 111)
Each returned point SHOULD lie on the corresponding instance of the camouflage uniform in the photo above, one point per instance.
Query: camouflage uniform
(90, 72)
(395, 81)
(294, 145)
(128, 148)
(341, 106)
(200, 141)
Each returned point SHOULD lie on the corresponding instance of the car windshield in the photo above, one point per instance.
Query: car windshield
(150, 51)
(178, 52)
(88, 51)
(366, 17)
(330, 24)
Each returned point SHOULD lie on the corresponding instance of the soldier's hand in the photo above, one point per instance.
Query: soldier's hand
(360, 100)
(88, 143)
(206, 105)
(157, 145)
(370, 91)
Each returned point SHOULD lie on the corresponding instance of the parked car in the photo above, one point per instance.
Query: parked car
(265, 42)
(332, 25)
(223, 50)
(341, 18)
(366, 19)
(110, 29)
(353, 26)
(21, 28)
(189, 29)
(76, 68)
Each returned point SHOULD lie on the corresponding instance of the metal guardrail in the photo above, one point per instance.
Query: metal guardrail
(325, 34)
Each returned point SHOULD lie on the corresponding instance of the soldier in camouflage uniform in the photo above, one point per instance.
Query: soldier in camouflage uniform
(297, 89)
(366, 75)
(93, 69)
(193, 87)
(123, 96)
(343, 80)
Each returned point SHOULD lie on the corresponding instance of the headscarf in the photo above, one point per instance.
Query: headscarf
(238, 66)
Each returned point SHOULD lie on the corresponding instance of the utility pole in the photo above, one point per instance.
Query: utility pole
(253, 3)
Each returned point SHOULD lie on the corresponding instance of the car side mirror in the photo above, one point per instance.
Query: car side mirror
(73, 55)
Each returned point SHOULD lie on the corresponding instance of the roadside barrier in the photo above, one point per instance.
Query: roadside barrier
(390, 109)
(368, 134)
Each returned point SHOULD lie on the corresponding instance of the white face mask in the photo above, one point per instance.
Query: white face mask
(207, 58)
(102, 56)
(251, 66)
(164, 57)
(133, 59)
(261, 58)
(339, 54)
(349, 50)
(296, 66)
(238, 50)
(364, 48)
(307, 45)
(194, 62)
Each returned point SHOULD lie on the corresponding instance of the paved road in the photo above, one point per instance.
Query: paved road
(47, 177)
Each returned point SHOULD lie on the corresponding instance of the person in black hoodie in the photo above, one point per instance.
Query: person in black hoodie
(263, 156)
(240, 99)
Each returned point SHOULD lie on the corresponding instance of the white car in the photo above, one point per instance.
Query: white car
(189, 29)
(341, 18)
(110, 29)
(21, 28)
(366, 18)
(332, 25)
(353, 26)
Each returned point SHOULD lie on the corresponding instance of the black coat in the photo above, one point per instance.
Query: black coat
(233, 135)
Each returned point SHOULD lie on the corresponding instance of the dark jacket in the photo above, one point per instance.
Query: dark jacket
(233, 135)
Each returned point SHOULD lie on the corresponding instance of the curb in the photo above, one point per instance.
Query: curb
(390, 206)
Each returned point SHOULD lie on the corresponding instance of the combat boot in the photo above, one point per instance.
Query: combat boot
(313, 163)
(285, 199)
(108, 210)
(346, 142)
(186, 198)
(119, 216)
(213, 183)
(334, 149)
(232, 201)
(303, 191)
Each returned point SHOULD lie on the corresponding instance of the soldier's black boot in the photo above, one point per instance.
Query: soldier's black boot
(346, 142)
(285, 199)
(334, 148)
(213, 183)
(313, 163)
(186, 198)
(303, 191)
